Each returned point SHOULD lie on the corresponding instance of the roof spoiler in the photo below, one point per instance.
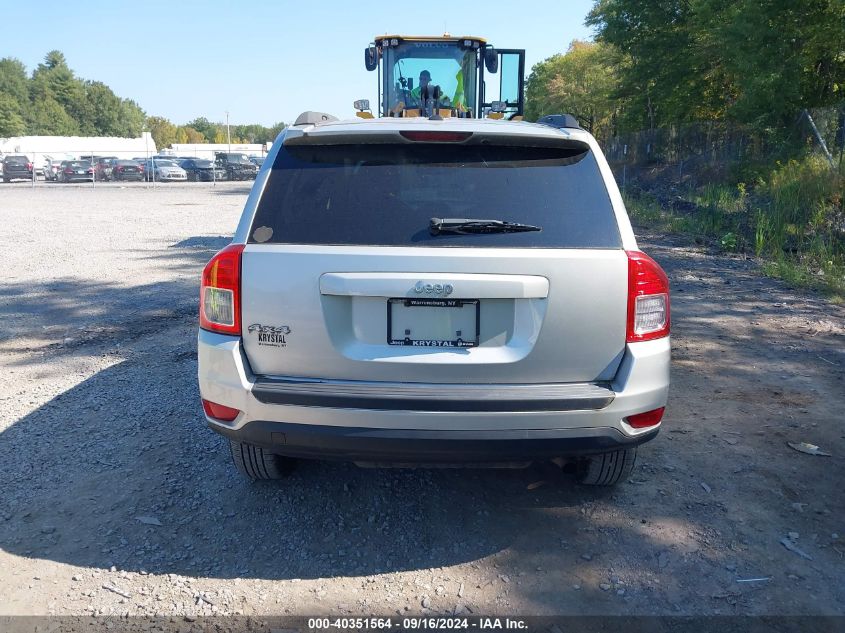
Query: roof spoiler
(309, 117)
(560, 121)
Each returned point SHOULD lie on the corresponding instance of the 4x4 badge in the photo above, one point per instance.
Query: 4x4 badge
(270, 335)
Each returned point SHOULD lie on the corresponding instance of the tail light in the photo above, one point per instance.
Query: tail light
(645, 420)
(648, 299)
(220, 292)
(29, 166)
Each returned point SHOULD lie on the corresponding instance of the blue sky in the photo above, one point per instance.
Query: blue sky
(262, 61)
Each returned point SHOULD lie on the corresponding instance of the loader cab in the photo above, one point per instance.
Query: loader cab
(472, 78)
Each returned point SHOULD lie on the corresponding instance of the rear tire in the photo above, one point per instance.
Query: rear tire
(256, 463)
(606, 469)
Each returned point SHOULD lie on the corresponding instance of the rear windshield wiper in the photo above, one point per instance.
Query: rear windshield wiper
(466, 225)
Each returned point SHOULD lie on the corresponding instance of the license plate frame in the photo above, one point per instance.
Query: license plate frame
(459, 342)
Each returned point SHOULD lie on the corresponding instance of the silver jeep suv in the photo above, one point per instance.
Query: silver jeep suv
(406, 291)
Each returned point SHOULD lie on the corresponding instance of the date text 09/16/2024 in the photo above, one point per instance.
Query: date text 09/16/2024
(417, 623)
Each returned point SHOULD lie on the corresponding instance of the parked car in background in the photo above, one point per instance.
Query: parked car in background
(127, 170)
(52, 167)
(17, 167)
(103, 167)
(199, 169)
(237, 166)
(163, 170)
(76, 171)
(258, 161)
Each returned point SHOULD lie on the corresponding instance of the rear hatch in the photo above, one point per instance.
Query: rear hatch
(344, 276)
(14, 165)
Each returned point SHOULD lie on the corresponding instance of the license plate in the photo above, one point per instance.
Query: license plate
(79, 171)
(433, 322)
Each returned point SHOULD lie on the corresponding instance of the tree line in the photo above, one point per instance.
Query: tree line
(659, 63)
(53, 101)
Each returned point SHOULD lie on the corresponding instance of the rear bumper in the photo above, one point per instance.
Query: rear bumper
(413, 422)
(429, 446)
(443, 398)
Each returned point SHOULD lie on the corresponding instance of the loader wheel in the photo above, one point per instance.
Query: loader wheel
(606, 469)
(256, 463)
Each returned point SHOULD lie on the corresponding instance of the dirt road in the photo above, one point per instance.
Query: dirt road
(115, 499)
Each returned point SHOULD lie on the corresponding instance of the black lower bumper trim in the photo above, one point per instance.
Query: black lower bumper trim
(429, 446)
(394, 396)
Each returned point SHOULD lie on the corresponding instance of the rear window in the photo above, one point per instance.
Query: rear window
(385, 195)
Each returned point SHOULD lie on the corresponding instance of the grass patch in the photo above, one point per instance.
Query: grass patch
(793, 219)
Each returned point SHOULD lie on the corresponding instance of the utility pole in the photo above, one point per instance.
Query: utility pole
(228, 135)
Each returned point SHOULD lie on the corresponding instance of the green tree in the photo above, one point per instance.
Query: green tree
(582, 82)
(132, 119)
(752, 61)
(14, 82)
(54, 78)
(663, 80)
(193, 135)
(47, 117)
(204, 127)
(275, 130)
(11, 121)
(162, 130)
(780, 56)
(100, 113)
(54, 101)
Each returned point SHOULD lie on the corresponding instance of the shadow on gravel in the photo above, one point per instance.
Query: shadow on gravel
(64, 315)
(235, 190)
(210, 243)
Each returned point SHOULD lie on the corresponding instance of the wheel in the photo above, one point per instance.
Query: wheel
(256, 463)
(7, 180)
(606, 469)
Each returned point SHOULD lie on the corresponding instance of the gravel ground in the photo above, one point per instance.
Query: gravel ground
(116, 499)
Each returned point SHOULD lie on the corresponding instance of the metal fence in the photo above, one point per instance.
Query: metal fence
(709, 150)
